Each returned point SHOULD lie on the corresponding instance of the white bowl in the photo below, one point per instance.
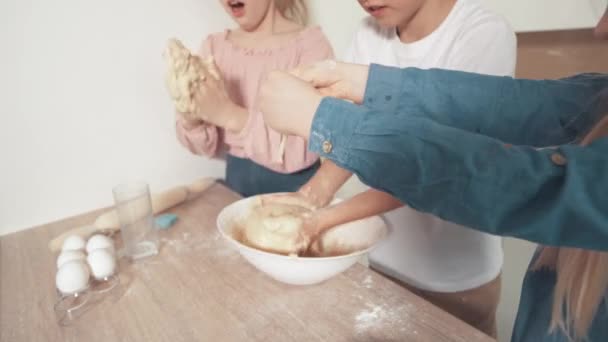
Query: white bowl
(357, 238)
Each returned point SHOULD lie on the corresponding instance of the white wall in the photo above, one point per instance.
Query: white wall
(339, 19)
(544, 15)
(84, 105)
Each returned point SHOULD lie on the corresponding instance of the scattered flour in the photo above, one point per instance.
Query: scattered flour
(366, 318)
(384, 316)
(210, 243)
(368, 282)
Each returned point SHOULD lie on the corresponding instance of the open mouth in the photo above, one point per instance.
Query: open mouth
(375, 10)
(237, 7)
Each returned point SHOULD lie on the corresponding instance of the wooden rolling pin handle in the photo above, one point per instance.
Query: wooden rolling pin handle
(109, 222)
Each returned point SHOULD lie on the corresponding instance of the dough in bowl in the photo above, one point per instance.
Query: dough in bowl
(276, 228)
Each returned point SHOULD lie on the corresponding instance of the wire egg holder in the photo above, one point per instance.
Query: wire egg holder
(69, 307)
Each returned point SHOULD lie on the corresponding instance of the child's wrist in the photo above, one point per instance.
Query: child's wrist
(326, 218)
(358, 74)
(190, 124)
(315, 194)
(233, 117)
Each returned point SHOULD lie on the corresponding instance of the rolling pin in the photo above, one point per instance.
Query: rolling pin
(109, 221)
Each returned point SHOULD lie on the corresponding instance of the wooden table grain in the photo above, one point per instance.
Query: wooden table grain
(199, 289)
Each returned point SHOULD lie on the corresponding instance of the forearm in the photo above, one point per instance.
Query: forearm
(552, 197)
(526, 112)
(322, 187)
(368, 203)
(232, 117)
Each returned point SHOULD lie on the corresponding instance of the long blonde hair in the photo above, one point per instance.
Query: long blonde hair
(294, 10)
(582, 276)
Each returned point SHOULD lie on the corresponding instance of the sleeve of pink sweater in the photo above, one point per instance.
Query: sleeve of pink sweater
(204, 138)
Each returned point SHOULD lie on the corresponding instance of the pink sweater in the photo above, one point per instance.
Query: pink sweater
(243, 69)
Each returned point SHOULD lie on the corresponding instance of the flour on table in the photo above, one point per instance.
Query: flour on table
(368, 317)
(368, 282)
(195, 242)
(383, 316)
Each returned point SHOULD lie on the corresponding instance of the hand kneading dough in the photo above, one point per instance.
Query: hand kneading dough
(349, 237)
(185, 73)
(275, 228)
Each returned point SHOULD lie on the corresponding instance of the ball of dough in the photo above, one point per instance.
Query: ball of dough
(276, 228)
(185, 73)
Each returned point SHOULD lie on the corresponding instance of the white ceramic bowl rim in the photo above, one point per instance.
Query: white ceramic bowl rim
(238, 244)
(311, 259)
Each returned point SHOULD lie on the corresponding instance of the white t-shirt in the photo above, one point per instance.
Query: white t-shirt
(423, 250)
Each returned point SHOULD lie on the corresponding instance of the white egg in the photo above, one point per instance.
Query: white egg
(102, 263)
(73, 243)
(99, 241)
(69, 255)
(72, 277)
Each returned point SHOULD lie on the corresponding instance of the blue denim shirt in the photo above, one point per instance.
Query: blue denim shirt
(490, 153)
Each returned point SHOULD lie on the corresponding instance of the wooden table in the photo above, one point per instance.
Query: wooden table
(199, 289)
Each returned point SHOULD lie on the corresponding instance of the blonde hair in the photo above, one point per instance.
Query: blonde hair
(294, 10)
(582, 276)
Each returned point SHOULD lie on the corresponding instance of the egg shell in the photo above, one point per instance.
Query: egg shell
(73, 243)
(72, 277)
(70, 255)
(99, 241)
(102, 263)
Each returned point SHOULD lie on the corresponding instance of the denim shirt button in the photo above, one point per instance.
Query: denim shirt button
(327, 147)
(559, 159)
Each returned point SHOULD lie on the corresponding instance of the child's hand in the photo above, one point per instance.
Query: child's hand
(187, 121)
(213, 104)
(322, 187)
(342, 80)
(318, 192)
(282, 94)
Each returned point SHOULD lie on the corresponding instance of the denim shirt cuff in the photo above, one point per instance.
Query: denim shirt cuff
(384, 85)
(333, 127)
